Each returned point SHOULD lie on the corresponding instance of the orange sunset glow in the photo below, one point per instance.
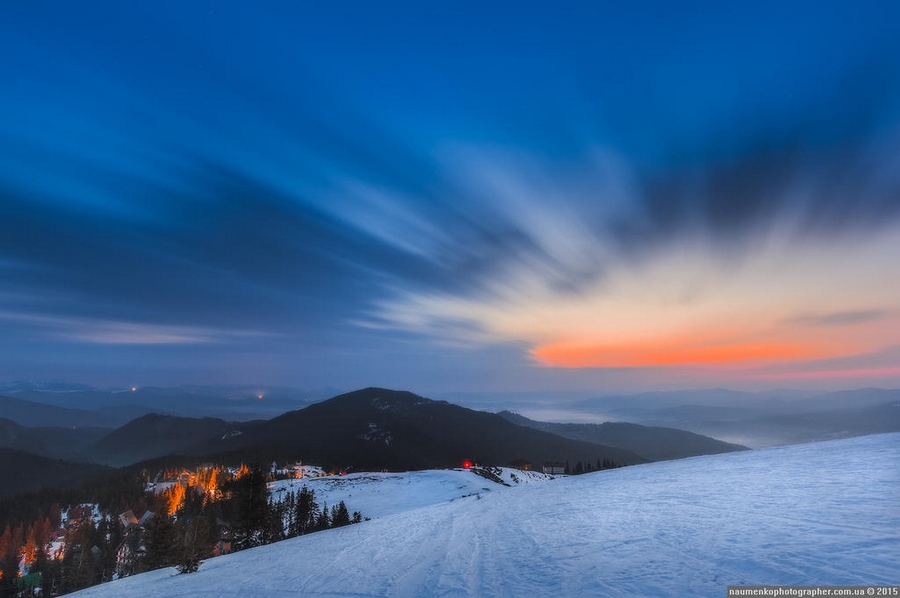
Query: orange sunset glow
(502, 213)
(783, 305)
(580, 356)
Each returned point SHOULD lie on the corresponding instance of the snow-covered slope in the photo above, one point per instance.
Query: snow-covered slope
(380, 494)
(826, 513)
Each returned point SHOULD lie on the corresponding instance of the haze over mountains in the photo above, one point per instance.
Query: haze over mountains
(761, 419)
(753, 419)
(378, 428)
(112, 408)
(369, 429)
(653, 442)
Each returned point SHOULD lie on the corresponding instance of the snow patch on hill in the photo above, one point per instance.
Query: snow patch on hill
(816, 514)
(381, 494)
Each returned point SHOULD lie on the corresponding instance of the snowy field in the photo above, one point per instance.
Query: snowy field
(825, 513)
(381, 494)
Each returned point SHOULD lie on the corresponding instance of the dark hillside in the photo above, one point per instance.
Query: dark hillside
(654, 443)
(376, 428)
(31, 414)
(57, 443)
(155, 435)
(26, 472)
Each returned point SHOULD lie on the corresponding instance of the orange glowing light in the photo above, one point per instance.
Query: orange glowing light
(175, 498)
(574, 355)
(133, 389)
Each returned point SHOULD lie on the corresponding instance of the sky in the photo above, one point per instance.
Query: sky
(451, 196)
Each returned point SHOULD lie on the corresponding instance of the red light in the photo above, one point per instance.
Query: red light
(467, 465)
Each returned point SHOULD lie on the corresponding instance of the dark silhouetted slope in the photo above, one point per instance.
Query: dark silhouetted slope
(54, 442)
(27, 472)
(155, 435)
(653, 443)
(376, 428)
(31, 414)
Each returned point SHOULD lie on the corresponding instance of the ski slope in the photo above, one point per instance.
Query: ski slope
(381, 494)
(825, 513)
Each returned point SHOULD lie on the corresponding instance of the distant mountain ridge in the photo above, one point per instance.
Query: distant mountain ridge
(764, 419)
(27, 472)
(378, 428)
(35, 414)
(243, 403)
(154, 435)
(52, 442)
(395, 429)
(754, 419)
(17, 386)
(374, 428)
(651, 442)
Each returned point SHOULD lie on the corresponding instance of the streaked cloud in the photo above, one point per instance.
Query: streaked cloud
(574, 193)
(692, 300)
(843, 318)
(111, 332)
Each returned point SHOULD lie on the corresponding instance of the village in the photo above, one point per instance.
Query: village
(77, 545)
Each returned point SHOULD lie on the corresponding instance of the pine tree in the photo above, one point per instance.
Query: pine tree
(9, 567)
(306, 511)
(49, 570)
(290, 515)
(6, 542)
(340, 516)
(162, 543)
(196, 545)
(273, 530)
(250, 505)
(108, 539)
(323, 521)
(31, 545)
(86, 570)
(78, 566)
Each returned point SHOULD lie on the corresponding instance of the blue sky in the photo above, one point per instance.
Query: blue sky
(451, 196)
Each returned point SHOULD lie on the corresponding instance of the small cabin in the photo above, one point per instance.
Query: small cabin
(75, 515)
(521, 464)
(128, 519)
(554, 467)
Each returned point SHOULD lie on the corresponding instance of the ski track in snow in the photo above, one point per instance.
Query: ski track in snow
(818, 514)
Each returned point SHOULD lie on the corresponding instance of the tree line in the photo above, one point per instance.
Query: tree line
(240, 515)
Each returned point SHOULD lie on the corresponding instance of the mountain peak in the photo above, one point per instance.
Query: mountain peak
(390, 429)
(382, 399)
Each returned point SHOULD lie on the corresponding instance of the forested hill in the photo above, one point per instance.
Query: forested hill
(376, 428)
(652, 442)
(26, 472)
